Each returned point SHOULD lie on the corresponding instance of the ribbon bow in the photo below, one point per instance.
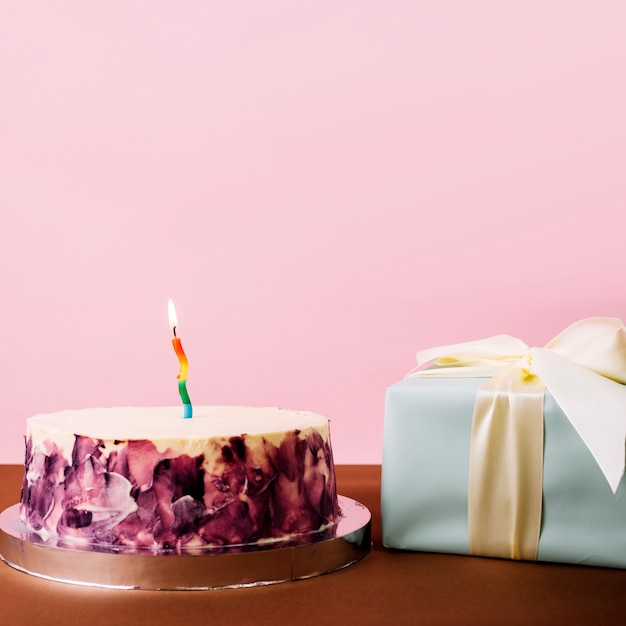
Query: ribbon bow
(584, 368)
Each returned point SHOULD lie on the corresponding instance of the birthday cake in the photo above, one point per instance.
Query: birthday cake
(147, 478)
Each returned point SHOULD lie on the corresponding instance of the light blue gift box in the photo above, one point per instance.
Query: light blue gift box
(425, 478)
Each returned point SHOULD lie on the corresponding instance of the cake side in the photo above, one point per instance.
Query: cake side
(181, 491)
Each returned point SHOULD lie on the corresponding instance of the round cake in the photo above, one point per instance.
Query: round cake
(147, 478)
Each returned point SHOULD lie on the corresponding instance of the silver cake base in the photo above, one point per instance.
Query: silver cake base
(206, 567)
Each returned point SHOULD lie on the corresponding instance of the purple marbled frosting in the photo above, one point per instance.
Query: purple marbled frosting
(128, 493)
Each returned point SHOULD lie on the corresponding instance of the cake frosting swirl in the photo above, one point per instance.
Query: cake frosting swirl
(147, 478)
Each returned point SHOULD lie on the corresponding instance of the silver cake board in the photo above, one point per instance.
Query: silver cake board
(206, 567)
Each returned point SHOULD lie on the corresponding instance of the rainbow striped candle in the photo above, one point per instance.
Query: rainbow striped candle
(184, 364)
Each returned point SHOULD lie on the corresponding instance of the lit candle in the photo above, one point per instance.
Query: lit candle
(184, 364)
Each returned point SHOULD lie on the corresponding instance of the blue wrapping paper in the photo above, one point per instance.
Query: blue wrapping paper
(425, 478)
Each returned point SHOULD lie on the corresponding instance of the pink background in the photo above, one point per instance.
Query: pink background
(322, 188)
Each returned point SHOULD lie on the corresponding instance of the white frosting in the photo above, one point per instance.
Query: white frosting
(155, 423)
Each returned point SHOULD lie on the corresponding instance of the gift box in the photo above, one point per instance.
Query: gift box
(463, 472)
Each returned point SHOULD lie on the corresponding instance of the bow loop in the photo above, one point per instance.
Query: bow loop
(491, 351)
(596, 343)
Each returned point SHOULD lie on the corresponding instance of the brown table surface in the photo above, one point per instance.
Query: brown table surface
(387, 587)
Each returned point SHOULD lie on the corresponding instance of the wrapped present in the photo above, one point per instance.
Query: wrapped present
(497, 449)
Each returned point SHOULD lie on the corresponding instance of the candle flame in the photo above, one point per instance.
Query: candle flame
(172, 315)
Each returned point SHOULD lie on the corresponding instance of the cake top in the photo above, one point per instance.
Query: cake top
(125, 423)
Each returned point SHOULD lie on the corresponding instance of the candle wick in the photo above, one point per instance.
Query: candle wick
(174, 329)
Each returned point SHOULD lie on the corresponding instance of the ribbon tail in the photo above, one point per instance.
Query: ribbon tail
(595, 405)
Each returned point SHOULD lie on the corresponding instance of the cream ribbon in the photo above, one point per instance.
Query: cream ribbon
(584, 368)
